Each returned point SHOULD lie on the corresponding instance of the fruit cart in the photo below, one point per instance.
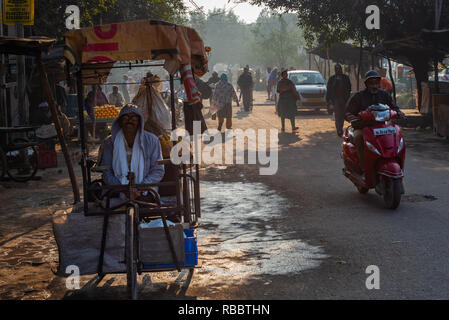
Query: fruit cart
(93, 52)
(103, 117)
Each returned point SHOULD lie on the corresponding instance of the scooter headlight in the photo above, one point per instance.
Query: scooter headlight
(372, 148)
(401, 145)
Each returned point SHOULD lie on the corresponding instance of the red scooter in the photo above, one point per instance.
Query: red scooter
(384, 155)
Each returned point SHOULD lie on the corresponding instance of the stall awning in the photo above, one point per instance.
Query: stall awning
(138, 40)
(32, 46)
(428, 44)
(343, 53)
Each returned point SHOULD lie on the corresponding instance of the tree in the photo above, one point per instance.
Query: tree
(225, 33)
(50, 14)
(327, 21)
(277, 40)
(168, 10)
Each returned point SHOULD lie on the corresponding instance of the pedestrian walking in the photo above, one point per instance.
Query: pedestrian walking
(246, 85)
(338, 93)
(272, 82)
(222, 98)
(267, 83)
(124, 89)
(287, 101)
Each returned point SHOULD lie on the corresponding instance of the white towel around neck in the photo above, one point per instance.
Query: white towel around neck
(120, 162)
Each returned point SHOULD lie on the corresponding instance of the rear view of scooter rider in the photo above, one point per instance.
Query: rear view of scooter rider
(372, 95)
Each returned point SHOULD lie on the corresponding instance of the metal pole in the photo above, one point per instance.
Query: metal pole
(23, 114)
(360, 63)
(83, 163)
(172, 101)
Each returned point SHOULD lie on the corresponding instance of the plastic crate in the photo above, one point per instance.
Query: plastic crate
(47, 159)
(191, 252)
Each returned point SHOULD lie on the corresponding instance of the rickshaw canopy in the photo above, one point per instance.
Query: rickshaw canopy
(99, 47)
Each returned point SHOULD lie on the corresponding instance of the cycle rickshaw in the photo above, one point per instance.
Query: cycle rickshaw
(93, 52)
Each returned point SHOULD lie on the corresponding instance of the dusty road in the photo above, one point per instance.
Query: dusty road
(304, 233)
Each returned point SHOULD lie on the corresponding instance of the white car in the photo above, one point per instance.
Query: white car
(311, 87)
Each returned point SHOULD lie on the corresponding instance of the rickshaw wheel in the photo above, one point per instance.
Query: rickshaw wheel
(23, 174)
(130, 252)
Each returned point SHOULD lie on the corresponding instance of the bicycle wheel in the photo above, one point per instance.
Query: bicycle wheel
(2, 163)
(22, 164)
(130, 254)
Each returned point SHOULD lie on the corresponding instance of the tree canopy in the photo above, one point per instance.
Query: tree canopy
(50, 14)
(329, 21)
(273, 40)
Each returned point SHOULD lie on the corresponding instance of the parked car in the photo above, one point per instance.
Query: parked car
(311, 87)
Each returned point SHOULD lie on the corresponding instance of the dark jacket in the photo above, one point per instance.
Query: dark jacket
(213, 80)
(338, 86)
(363, 99)
(245, 81)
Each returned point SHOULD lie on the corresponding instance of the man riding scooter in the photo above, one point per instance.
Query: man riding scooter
(372, 95)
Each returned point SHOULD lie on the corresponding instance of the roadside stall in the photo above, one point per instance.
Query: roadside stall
(18, 156)
(117, 239)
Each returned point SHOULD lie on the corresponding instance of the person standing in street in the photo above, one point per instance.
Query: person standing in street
(385, 84)
(272, 82)
(338, 93)
(287, 101)
(212, 82)
(214, 79)
(222, 98)
(116, 98)
(124, 88)
(246, 84)
(267, 83)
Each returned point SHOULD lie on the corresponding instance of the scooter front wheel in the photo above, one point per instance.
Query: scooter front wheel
(393, 193)
(362, 190)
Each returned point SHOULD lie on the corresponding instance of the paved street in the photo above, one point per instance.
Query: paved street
(304, 233)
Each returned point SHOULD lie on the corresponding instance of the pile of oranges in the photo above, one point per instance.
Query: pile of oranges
(106, 112)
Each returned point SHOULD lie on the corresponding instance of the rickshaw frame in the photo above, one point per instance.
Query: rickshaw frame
(136, 210)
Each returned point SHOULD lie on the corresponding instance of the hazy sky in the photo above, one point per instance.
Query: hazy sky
(245, 11)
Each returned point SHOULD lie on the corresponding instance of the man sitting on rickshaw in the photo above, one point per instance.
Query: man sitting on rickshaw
(131, 148)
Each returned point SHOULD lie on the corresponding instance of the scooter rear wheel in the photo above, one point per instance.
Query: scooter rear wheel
(392, 193)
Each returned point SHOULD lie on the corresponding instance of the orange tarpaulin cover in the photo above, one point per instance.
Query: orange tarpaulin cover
(138, 40)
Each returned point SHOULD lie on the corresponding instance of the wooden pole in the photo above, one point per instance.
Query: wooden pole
(52, 103)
